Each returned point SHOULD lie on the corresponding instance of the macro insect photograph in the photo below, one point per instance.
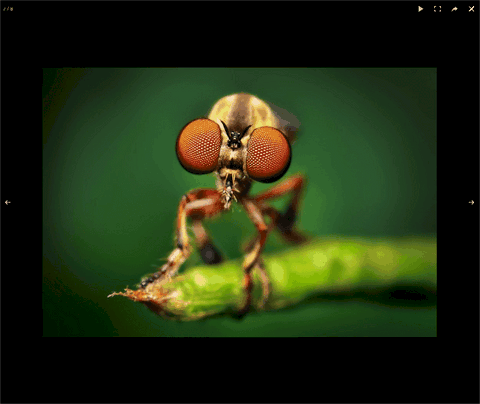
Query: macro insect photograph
(239, 202)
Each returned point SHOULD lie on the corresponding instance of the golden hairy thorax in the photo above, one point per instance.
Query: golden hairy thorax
(241, 110)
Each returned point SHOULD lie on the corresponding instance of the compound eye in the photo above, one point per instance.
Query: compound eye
(198, 146)
(268, 154)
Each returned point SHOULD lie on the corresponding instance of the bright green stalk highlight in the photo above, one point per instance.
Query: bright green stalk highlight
(325, 266)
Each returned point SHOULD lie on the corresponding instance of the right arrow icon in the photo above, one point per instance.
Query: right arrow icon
(420, 8)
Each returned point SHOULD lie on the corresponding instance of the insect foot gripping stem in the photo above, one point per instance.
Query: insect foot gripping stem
(161, 295)
(153, 296)
(152, 291)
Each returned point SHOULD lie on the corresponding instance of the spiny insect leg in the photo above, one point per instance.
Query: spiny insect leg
(255, 215)
(274, 215)
(196, 204)
(286, 221)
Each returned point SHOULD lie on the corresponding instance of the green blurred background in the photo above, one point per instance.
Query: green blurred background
(112, 184)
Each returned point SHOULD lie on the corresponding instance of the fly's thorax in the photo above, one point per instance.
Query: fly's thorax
(241, 110)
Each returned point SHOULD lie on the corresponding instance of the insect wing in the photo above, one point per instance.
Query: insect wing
(289, 123)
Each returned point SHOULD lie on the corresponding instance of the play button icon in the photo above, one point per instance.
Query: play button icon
(420, 8)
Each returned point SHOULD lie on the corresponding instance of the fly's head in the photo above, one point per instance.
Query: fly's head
(239, 152)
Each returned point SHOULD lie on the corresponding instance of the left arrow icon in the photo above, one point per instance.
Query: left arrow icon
(7, 202)
(420, 8)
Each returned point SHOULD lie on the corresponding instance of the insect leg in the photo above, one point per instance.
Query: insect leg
(274, 216)
(286, 221)
(251, 259)
(265, 281)
(196, 204)
(208, 251)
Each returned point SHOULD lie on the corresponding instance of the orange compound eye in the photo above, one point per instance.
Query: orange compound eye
(268, 154)
(198, 146)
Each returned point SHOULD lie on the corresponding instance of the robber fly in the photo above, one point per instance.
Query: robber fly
(244, 139)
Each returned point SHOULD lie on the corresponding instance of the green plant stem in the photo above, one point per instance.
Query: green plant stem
(324, 266)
